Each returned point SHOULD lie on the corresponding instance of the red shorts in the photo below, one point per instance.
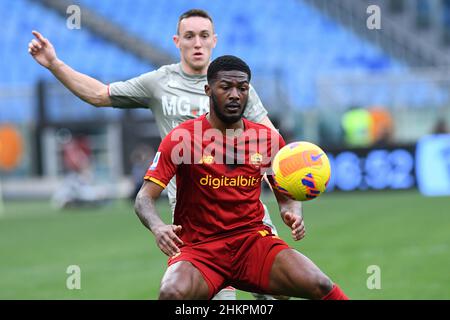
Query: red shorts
(242, 260)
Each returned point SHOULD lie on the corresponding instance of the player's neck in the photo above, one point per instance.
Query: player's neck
(216, 123)
(193, 72)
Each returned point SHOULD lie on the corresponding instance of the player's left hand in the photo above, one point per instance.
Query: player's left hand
(295, 222)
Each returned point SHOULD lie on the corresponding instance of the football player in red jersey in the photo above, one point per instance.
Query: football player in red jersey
(218, 237)
(174, 93)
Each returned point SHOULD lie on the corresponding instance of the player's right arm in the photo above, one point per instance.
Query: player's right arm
(157, 177)
(86, 88)
(165, 234)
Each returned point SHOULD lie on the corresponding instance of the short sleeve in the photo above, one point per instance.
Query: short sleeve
(255, 110)
(163, 168)
(133, 93)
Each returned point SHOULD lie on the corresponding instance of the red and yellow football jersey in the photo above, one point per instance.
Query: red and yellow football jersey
(218, 176)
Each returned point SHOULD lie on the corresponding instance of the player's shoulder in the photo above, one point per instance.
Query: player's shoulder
(261, 129)
(169, 69)
(189, 124)
(256, 125)
(161, 72)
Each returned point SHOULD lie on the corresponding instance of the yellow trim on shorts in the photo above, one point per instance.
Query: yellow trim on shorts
(159, 183)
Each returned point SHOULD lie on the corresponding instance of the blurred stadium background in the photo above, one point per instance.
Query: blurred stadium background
(377, 100)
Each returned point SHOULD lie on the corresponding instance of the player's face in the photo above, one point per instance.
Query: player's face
(196, 39)
(229, 95)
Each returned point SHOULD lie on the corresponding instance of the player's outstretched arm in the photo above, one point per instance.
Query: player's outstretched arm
(165, 235)
(86, 88)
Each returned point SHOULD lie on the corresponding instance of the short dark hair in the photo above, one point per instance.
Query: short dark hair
(194, 13)
(227, 63)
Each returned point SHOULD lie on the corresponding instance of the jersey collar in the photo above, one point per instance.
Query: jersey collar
(191, 76)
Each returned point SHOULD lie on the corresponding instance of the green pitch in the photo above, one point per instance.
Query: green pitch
(406, 235)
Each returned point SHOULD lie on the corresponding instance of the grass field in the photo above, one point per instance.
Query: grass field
(405, 234)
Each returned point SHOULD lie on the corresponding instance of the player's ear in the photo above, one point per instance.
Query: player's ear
(214, 40)
(208, 90)
(176, 40)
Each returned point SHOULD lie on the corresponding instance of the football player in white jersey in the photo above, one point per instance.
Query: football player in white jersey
(174, 93)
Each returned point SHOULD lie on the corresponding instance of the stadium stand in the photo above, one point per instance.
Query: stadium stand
(298, 47)
(297, 43)
(79, 48)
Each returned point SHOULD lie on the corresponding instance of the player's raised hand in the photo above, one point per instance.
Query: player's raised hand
(167, 239)
(295, 222)
(42, 50)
